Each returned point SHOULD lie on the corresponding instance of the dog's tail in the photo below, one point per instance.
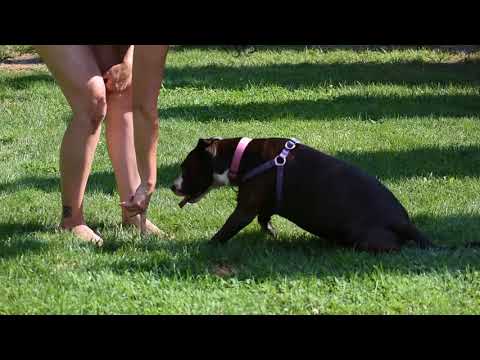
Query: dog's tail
(408, 231)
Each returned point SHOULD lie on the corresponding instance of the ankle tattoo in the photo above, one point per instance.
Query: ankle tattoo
(67, 211)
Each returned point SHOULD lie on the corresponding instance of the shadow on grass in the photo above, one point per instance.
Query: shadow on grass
(23, 82)
(340, 108)
(307, 75)
(252, 255)
(460, 161)
(294, 76)
(16, 239)
(301, 48)
(231, 48)
(103, 182)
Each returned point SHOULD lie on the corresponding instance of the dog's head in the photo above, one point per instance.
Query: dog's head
(202, 170)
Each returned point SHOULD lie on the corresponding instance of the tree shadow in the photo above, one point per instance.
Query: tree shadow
(458, 161)
(24, 82)
(7, 140)
(252, 255)
(300, 48)
(294, 76)
(452, 161)
(232, 48)
(102, 181)
(343, 107)
(308, 75)
(17, 239)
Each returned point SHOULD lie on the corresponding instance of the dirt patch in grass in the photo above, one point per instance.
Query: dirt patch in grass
(223, 270)
(22, 62)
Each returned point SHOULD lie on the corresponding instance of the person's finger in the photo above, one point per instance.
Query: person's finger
(126, 205)
(110, 85)
(109, 72)
(129, 202)
(143, 222)
(133, 210)
(133, 205)
(95, 124)
(107, 80)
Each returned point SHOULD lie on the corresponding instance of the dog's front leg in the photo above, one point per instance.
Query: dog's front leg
(236, 222)
(266, 224)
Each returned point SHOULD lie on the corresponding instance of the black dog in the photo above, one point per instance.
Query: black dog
(321, 194)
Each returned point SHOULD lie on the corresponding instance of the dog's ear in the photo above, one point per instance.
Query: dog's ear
(203, 143)
(210, 145)
(212, 148)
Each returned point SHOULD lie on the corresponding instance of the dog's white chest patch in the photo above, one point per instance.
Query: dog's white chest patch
(221, 179)
(178, 183)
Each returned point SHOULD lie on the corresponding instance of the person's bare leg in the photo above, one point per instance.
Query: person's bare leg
(121, 148)
(148, 70)
(119, 134)
(80, 79)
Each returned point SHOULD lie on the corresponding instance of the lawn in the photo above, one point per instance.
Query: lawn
(410, 117)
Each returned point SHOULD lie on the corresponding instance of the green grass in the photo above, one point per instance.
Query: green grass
(410, 117)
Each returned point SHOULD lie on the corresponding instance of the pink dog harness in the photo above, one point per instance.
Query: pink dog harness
(279, 162)
(242, 145)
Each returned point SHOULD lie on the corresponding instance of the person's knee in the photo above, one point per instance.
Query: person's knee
(119, 106)
(146, 112)
(92, 105)
(120, 100)
(98, 102)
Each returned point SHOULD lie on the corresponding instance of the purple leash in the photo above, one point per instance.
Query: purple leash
(279, 162)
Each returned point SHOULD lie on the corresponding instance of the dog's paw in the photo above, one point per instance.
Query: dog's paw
(215, 241)
(270, 230)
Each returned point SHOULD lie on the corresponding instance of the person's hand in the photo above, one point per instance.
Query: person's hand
(118, 77)
(138, 203)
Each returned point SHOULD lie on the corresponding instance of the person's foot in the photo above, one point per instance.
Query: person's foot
(150, 228)
(83, 232)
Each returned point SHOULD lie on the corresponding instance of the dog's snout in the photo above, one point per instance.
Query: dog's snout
(178, 183)
(177, 186)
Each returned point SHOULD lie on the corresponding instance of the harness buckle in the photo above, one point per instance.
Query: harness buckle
(283, 160)
(290, 145)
